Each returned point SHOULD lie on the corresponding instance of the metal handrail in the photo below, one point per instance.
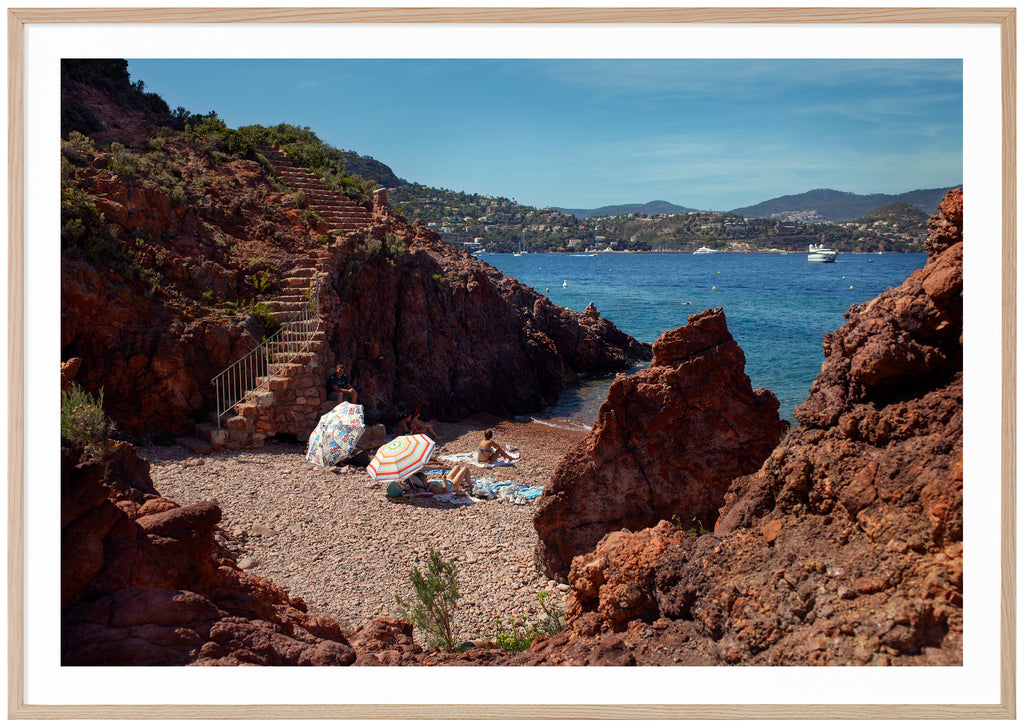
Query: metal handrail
(251, 373)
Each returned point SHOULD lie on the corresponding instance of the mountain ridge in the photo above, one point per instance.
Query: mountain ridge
(654, 207)
(822, 205)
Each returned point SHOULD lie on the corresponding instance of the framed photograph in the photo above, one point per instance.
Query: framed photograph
(980, 41)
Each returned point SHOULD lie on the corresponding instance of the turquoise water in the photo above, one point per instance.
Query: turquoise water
(777, 307)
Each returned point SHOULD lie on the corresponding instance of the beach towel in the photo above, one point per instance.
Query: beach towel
(490, 488)
(470, 458)
(396, 493)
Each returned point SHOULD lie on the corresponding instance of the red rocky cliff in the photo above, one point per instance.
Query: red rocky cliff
(144, 582)
(846, 546)
(164, 237)
(431, 327)
(667, 443)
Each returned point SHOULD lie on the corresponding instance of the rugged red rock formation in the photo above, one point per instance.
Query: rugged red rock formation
(167, 305)
(846, 546)
(143, 581)
(667, 443)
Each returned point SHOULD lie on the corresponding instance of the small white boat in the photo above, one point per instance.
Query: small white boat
(820, 254)
(705, 251)
(565, 283)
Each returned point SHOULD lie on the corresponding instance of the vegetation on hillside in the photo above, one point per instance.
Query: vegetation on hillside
(898, 214)
(831, 205)
(473, 221)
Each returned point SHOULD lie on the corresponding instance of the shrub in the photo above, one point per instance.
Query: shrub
(697, 530)
(432, 610)
(554, 618)
(515, 634)
(261, 281)
(83, 227)
(512, 634)
(262, 313)
(82, 420)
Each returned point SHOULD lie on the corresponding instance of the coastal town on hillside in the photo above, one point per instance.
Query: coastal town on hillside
(497, 225)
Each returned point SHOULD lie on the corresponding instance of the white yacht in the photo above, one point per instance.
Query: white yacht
(820, 254)
(705, 251)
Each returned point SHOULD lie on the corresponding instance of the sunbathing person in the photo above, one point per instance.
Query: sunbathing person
(459, 478)
(488, 450)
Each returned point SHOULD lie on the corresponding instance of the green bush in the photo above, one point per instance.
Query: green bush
(211, 128)
(83, 227)
(261, 281)
(262, 313)
(697, 530)
(432, 609)
(515, 634)
(82, 420)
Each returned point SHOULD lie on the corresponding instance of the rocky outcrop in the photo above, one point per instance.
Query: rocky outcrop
(421, 325)
(846, 546)
(170, 247)
(143, 581)
(666, 445)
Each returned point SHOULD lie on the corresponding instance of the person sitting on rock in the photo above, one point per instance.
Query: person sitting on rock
(409, 423)
(404, 424)
(591, 312)
(421, 427)
(338, 388)
(489, 451)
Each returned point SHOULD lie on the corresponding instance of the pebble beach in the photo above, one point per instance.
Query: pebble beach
(331, 537)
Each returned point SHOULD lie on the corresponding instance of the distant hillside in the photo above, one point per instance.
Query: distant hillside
(905, 215)
(369, 168)
(828, 205)
(655, 207)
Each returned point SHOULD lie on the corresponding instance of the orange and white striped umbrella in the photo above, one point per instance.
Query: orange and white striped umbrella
(401, 457)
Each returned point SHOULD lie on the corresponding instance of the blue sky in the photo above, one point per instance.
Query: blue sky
(703, 133)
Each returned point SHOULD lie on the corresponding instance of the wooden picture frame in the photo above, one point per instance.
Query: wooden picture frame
(19, 20)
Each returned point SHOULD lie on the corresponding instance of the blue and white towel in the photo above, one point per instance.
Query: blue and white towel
(470, 458)
(505, 490)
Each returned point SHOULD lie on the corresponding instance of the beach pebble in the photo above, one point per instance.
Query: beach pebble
(335, 541)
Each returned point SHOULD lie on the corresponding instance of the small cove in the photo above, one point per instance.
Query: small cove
(777, 307)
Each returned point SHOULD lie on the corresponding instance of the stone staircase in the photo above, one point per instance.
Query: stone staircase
(341, 214)
(287, 393)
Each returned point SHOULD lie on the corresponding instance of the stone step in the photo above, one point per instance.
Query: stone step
(293, 303)
(299, 358)
(296, 297)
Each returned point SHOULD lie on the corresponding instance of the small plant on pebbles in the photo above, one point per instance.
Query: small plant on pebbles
(515, 634)
(432, 609)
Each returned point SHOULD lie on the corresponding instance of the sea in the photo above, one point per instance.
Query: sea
(778, 307)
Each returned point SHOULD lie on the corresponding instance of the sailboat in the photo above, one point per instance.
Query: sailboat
(522, 247)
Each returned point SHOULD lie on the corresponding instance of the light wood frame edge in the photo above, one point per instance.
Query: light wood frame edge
(17, 18)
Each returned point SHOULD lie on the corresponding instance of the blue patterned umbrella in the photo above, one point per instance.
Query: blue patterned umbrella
(335, 437)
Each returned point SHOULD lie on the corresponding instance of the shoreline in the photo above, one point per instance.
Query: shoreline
(331, 537)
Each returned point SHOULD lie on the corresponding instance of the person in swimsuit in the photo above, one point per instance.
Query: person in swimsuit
(459, 479)
(488, 450)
